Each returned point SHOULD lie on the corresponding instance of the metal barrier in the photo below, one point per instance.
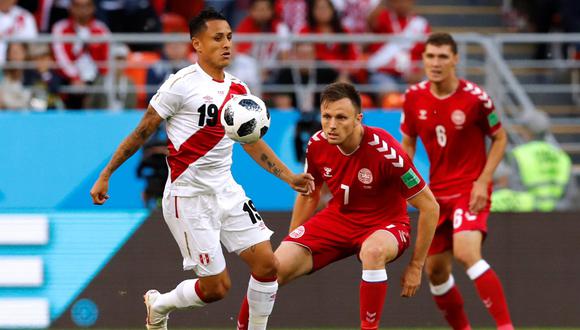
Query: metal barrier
(491, 70)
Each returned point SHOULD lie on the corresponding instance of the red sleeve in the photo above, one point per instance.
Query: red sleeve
(383, 23)
(352, 50)
(417, 52)
(409, 180)
(310, 162)
(408, 116)
(245, 26)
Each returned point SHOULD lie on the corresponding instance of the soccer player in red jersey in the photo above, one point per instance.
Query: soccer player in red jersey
(371, 180)
(453, 117)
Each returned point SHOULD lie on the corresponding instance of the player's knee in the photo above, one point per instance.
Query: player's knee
(437, 274)
(465, 257)
(374, 254)
(267, 267)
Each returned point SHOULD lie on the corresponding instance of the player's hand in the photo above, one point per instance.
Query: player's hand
(479, 197)
(302, 183)
(411, 280)
(99, 191)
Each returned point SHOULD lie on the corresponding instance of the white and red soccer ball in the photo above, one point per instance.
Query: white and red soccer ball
(245, 118)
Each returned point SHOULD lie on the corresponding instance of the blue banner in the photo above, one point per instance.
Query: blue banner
(52, 160)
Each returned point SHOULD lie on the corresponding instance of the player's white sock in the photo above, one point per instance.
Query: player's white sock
(261, 297)
(183, 296)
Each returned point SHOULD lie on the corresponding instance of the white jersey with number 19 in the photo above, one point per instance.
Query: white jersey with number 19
(200, 154)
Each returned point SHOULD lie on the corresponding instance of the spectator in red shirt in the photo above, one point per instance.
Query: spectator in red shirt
(392, 63)
(323, 18)
(252, 59)
(261, 19)
(80, 62)
(292, 13)
(354, 13)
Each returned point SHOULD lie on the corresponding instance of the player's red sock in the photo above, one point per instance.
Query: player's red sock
(244, 315)
(373, 290)
(491, 293)
(450, 302)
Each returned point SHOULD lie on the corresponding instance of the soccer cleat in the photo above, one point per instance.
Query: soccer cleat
(154, 320)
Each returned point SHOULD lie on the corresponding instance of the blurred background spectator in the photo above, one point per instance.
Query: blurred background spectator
(129, 16)
(354, 13)
(174, 55)
(395, 62)
(43, 80)
(304, 77)
(252, 59)
(124, 95)
(14, 95)
(80, 62)
(292, 13)
(14, 22)
(539, 173)
(322, 17)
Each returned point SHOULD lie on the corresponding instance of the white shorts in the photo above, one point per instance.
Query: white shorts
(199, 223)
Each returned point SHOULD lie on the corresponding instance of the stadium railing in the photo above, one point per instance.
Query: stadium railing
(553, 83)
(490, 70)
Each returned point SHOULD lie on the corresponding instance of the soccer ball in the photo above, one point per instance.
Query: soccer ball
(245, 118)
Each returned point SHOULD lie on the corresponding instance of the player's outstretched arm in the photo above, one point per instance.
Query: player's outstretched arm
(304, 207)
(479, 194)
(409, 145)
(428, 216)
(263, 155)
(148, 124)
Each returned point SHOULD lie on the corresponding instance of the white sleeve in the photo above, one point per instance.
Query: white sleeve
(29, 30)
(167, 101)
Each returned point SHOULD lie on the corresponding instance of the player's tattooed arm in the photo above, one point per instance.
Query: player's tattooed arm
(126, 149)
(263, 155)
(271, 165)
(147, 126)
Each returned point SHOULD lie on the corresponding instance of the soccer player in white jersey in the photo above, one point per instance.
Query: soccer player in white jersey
(202, 204)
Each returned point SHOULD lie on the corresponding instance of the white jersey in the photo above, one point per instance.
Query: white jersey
(17, 22)
(200, 154)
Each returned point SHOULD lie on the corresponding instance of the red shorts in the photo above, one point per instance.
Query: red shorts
(331, 237)
(455, 217)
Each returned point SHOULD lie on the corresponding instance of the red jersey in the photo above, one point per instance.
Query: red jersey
(453, 130)
(398, 57)
(372, 184)
(262, 51)
(332, 52)
(74, 57)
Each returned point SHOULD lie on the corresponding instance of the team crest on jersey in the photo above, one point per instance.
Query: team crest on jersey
(204, 258)
(298, 232)
(423, 114)
(327, 173)
(458, 118)
(365, 176)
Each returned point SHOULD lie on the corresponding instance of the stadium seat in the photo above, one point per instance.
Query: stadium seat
(137, 64)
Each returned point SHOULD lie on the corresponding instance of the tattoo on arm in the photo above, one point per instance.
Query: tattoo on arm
(271, 166)
(135, 140)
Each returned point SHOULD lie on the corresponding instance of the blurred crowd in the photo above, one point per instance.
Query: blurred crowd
(75, 75)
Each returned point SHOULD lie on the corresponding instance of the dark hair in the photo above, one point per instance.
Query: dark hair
(442, 39)
(338, 91)
(334, 22)
(198, 23)
(253, 2)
